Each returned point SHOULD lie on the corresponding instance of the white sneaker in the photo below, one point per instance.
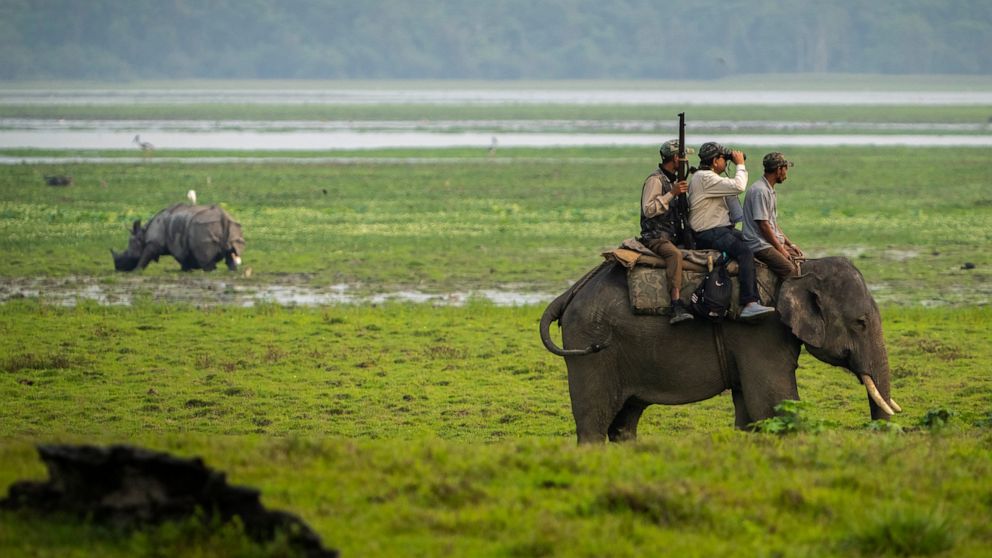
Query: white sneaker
(755, 310)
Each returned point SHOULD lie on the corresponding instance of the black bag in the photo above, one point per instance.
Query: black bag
(711, 299)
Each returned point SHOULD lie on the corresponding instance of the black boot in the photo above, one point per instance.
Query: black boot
(679, 313)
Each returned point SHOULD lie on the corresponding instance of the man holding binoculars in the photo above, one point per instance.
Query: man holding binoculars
(709, 216)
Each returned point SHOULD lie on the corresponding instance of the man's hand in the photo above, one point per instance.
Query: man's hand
(680, 187)
(738, 157)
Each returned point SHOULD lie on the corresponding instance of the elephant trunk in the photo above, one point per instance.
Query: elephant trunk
(877, 403)
(876, 381)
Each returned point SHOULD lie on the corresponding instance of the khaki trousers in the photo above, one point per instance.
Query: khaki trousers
(779, 264)
(673, 260)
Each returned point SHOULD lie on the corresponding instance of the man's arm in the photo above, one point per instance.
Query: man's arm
(654, 202)
(714, 186)
(769, 235)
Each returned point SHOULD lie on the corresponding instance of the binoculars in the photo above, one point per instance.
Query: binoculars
(727, 154)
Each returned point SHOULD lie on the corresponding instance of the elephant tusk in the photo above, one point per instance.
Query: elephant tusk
(875, 396)
(895, 406)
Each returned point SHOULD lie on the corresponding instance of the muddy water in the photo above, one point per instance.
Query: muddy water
(199, 291)
(297, 291)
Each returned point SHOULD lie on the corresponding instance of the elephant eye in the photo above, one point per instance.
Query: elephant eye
(862, 324)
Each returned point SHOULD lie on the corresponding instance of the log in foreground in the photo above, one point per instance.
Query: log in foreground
(128, 487)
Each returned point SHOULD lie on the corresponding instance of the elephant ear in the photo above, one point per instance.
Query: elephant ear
(801, 309)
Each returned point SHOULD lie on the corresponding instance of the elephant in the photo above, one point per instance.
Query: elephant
(619, 362)
(196, 236)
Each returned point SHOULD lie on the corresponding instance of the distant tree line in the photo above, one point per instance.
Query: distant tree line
(488, 39)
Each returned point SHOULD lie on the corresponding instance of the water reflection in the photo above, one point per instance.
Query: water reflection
(345, 140)
(204, 292)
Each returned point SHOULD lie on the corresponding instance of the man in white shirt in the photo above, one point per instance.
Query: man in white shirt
(709, 216)
(761, 230)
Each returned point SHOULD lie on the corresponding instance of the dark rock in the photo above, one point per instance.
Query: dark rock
(968, 265)
(127, 486)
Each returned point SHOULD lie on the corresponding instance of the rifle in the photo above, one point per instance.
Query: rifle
(683, 231)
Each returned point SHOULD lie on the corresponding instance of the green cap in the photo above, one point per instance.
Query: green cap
(671, 148)
(775, 160)
(711, 150)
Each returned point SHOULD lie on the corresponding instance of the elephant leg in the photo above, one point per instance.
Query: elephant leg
(590, 429)
(761, 398)
(624, 425)
(593, 419)
(742, 419)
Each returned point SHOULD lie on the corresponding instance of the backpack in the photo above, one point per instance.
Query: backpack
(711, 299)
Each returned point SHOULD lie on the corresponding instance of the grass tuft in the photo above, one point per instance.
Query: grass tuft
(904, 532)
(661, 504)
(34, 361)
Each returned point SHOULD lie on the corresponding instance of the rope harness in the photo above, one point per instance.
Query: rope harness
(721, 354)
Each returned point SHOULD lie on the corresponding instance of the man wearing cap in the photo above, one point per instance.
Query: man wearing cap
(658, 222)
(761, 230)
(710, 218)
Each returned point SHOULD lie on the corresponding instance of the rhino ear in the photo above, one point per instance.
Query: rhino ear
(136, 227)
(801, 309)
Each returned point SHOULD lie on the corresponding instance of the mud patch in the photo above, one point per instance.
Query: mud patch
(290, 290)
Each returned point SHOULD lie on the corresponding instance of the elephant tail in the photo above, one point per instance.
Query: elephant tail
(556, 309)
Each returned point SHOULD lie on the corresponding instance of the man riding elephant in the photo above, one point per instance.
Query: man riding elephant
(658, 193)
(710, 218)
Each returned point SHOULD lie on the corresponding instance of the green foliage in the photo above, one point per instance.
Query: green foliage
(554, 39)
(936, 419)
(791, 417)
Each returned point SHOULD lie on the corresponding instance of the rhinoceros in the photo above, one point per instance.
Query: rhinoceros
(198, 236)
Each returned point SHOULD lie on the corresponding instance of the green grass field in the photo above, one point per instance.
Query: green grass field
(535, 218)
(739, 115)
(407, 429)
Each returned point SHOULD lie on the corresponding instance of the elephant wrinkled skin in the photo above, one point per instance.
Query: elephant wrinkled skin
(619, 363)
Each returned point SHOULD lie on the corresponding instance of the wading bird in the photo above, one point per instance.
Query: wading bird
(144, 145)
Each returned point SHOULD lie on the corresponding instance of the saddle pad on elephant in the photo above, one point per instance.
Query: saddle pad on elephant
(649, 291)
(632, 252)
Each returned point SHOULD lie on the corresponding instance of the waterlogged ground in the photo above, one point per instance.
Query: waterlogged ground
(961, 285)
(236, 290)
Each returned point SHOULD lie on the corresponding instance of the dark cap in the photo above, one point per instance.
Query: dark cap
(775, 160)
(711, 150)
(671, 148)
